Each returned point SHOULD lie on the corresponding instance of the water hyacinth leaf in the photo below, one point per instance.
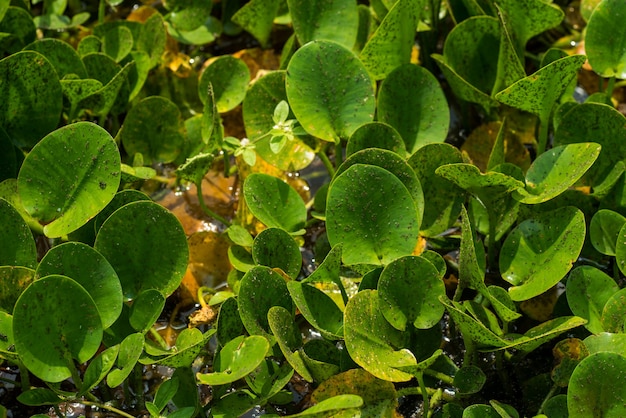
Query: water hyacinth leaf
(235, 360)
(552, 241)
(147, 247)
(39, 396)
(145, 310)
(528, 18)
(257, 18)
(289, 339)
(18, 28)
(322, 358)
(117, 42)
(443, 196)
(605, 39)
(275, 248)
(620, 249)
(393, 163)
(92, 271)
(90, 44)
(470, 327)
(329, 107)
(152, 37)
(580, 124)
(47, 334)
(556, 170)
(390, 46)
(409, 289)
(240, 258)
(412, 101)
(318, 309)
(588, 290)
(27, 112)
(18, 248)
(269, 378)
(317, 20)
(113, 96)
(510, 68)
(480, 411)
(75, 90)
(606, 342)
(274, 202)
(469, 177)
(328, 271)
(13, 281)
(233, 404)
(258, 108)
(138, 73)
(543, 333)
(7, 345)
(187, 15)
(229, 325)
(99, 367)
(61, 55)
(83, 182)
(376, 135)
(614, 313)
(189, 343)
(203, 34)
(598, 387)
(153, 127)
(382, 226)
(469, 379)
(121, 198)
(604, 230)
(230, 77)
(261, 288)
(130, 350)
(372, 341)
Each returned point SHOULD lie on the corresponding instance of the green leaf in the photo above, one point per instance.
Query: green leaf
(336, 403)
(235, 360)
(598, 387)
(556, 170)
(289, 339)
(469, 379)
(599, 123)
(189, 344)
(318, 309)
(409, 289)
(275, 248)
(553, 242)
(230, 77)
(376, 135)
(39, 396)
(152, 38)
(117, 42)
(605, 39)
(444, 198)
(528, 18)
(329, 107)
(28, 112)
(61, 55)
(412, 101)
(92, 271)
(84, 180)
(195, 168)
(13, 281)
(19, 29)
(121, 198)
(269, 378)
(153, 127)
(322, 358)
(320, 20)
(390, 46)
(18, 248)
(261, 288)
(274, 202)
(614, 312)
(370, 209)
(328, 271)
(229, 325)
(203, 34)
(130, 350)
(588, 290)
(147, 247)
(604, 230)
(99, 367)
(187, 15)
(48, 334)
(606, 342)
(257, 18)
(146, 309)
(372, 342)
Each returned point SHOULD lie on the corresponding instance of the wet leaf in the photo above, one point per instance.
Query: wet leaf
(130, 350)
(275, 248)
(99, 367)
(257, 18)
(606, 342)
(318, 309)
(145, 310)
(329, 107)
(598, 387)
(469, 177)
(552, 242)
(18, 29)
(568, 354)
(117, 42)
(614, 313)
(89, 269)
(83, 182)
(13, 281)
(605, 39)
(61, 55)
(322, 358)
(604, 230)
(382, 226)
(469, 379)
(48, 334)
(18, 248)
(341, 403)
(187, 15)
(372, 342)
(544, 332)
(376, 135)
(320, 20)
(588, 290)
(230, 77)
(528, 18)
(289, 339)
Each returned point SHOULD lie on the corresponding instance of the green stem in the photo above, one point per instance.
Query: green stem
(101, 11)
(338, 153)
(426, 403)
(438, 375)
(107, 407)
(201, 291)
(491, 244)
(550, 394)
(610, 86)
(204, 207)
(326, 161)
(542, 140)
(159, 339)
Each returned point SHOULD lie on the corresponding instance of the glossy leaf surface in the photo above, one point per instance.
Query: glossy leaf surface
(275, 248)
(604, 230)
(18, 248)
(321, 20)
(605, 39)
(588, 290)
(230, 77)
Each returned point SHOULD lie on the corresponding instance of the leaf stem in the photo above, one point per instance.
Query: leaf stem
(327, 163)
(438, 375)
(338, 153)
(101, 11)
(542, 139)
(550, 394)
(609, 87)
(107, 407)
(426, 403)
(204, 207)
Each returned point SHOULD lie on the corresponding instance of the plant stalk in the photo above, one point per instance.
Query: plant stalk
(107, 407)
(542, 140)
(204, 207)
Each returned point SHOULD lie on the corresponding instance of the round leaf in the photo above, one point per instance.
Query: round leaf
(85, 177)
(614, 313)
(27, 111)
(605, 39)
(230, 77)
(604, 230)
(409, 290)
(147, 247)
(598, 387)
(329, 90)
(469, 379)
(153, 127)
(61, 55)
(588, 290)
(117, 42)
(274, 247)
(89, 269)
(187, 15)
(48, 334)
(318, 309)
(541, 250)
(412, 101)
(18, 247)
(315, 20)
(372, 341)
(372, 211)
(376, 135)
(146, 309)
(13, 281)
(274, 202)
